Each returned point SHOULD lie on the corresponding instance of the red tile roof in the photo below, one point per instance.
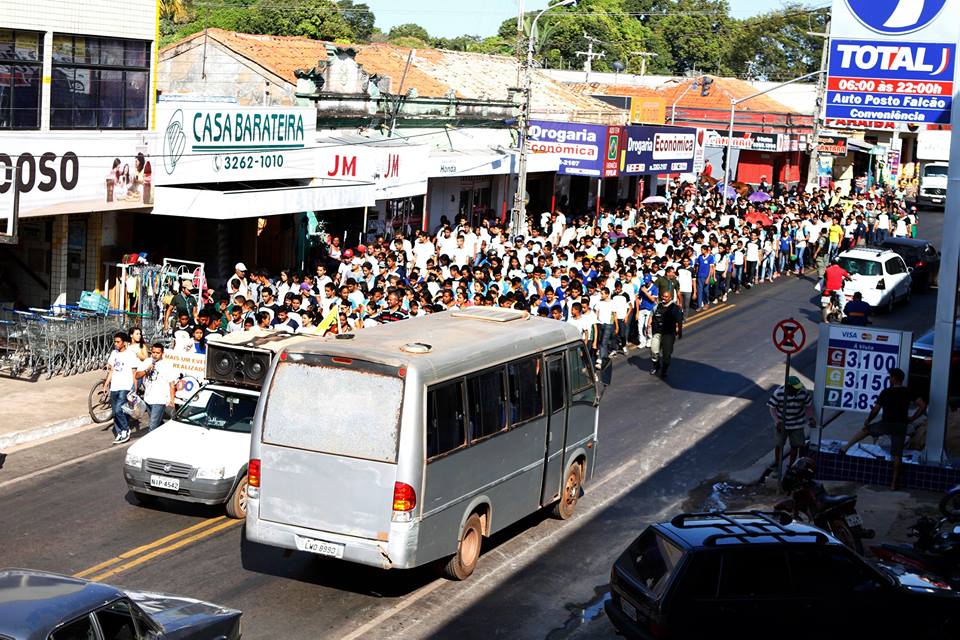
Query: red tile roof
(280, 55)
(722, 90)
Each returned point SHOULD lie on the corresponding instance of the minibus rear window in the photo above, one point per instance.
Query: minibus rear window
(334, 410)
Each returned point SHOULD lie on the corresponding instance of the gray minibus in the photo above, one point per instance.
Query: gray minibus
(410, 442)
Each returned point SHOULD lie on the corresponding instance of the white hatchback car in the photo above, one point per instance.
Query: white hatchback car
(201, 455)
(880, 275)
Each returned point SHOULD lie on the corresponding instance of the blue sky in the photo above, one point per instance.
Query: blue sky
(457, 17)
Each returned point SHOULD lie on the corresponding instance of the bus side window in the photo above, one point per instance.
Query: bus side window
(485, 397)
(582, 387)
(526, 389)
(446, 427)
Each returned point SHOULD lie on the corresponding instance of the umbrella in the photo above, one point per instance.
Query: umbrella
(759, 196)
(728, 191)
(655, 200)
(756, 216)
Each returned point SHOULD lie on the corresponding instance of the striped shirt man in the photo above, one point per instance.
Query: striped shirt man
(799, 400)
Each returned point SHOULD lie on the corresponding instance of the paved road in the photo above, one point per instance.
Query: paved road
(542, 578)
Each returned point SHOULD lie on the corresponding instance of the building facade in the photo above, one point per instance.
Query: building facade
(76, 111)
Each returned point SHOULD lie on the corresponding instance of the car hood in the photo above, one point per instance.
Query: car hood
(197, 446)
(186, 618)
(919, 582)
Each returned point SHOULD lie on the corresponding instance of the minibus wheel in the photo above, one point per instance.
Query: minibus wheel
(464, 561)
(564, 507)
(237, 503)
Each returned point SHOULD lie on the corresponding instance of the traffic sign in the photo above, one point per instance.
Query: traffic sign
(892, 60)
(789, 336)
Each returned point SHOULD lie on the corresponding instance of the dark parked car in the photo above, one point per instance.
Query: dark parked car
(921, 361)
(921, 256)
(753, 575)
(35, 605)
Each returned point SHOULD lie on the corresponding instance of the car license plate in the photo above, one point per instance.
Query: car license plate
(163, 482)
(937, 200)
(320, 547)
(854, 520)
(628, 609)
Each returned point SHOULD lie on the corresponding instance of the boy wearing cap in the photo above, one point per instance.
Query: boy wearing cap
(790, 419)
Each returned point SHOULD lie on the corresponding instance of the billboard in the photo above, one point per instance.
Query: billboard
(204, 142)
(611, 161)
(582, 147)
(62, 172)
(892, 60)
(832, 145)
(746, 140)
(657, 150)
(648, 110)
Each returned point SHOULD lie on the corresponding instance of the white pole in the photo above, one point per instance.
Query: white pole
(946, 300)
(726, 166)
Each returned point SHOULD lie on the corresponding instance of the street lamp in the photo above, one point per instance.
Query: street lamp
(519, 216)
(733, 106)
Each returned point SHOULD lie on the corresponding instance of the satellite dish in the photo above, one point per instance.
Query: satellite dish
(618, 66)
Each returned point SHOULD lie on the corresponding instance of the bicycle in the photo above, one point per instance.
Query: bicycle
(98, 403)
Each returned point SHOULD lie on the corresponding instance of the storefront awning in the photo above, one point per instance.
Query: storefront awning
(480, 162)
(396, 166)
(255, 200)
(855, 144)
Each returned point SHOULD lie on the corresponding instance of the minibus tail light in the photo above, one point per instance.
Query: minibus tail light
(253, 473)
(404, 497)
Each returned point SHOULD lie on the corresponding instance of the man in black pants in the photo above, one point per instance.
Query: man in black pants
(666, 326)
(895, 401)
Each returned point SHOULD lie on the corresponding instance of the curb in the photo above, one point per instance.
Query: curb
(25, 436)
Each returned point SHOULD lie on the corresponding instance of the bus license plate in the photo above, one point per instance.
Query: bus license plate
(163, 482)
(854, 520)
(320, 547)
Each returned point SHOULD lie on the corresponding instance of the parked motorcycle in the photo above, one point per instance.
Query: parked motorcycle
(810, 502)
(950, 504)
(936, 549)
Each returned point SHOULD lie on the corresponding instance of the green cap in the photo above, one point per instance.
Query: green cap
(794, 382)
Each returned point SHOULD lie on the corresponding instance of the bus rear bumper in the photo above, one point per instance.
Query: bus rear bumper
(397, 551)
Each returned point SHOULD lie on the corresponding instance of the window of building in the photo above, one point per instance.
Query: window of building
(21, 69)
(99, 83)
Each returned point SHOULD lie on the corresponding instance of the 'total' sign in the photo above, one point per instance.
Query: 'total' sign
(892, 60)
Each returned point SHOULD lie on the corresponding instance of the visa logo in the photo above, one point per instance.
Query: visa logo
(851, 334)
(893, 58)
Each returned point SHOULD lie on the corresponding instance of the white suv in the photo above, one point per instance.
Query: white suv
(880, 275)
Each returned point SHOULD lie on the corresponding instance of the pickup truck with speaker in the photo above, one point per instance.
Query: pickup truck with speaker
(201, 454)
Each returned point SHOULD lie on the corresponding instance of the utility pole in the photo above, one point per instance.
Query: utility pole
(644, 56)
(518, 218)
(813, 170)
(589, 55)
(521, 42)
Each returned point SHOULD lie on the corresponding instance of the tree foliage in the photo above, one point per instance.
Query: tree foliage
(777, 45)
(685, 35)
(408, 30)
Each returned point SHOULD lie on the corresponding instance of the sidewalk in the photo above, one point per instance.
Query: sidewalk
(35, 410)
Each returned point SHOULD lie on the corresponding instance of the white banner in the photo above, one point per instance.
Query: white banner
(203, 142)
(76, 171)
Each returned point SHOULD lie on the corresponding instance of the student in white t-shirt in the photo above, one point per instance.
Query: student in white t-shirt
(121, 367)
(160, 384)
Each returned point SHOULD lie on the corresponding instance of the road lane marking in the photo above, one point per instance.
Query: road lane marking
(426, 590)
(126, 555)
(206, 533)
(706, 315)
(61, 465)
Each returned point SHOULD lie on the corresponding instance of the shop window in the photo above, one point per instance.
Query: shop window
(21, 66)
(99, 83)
